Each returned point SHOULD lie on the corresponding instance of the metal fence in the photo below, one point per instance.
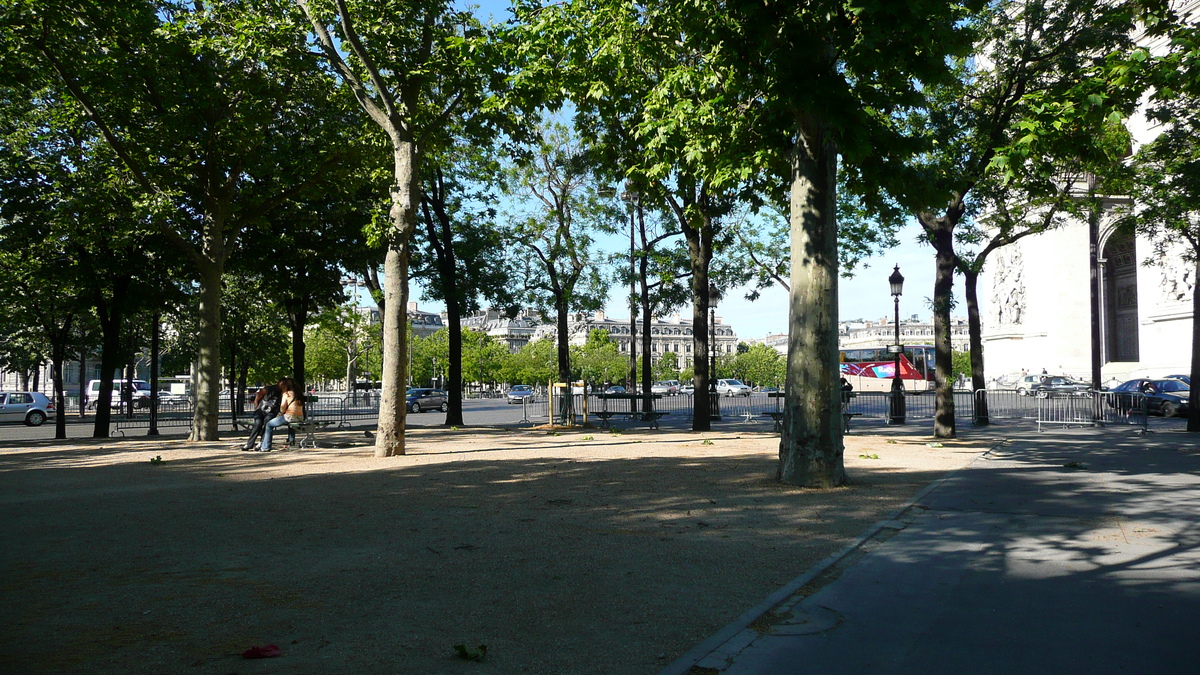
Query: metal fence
(1093, 408)
(339, 411)
(1087, 408)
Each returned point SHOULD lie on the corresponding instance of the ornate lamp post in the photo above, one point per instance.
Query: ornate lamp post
(896, 280)
(714, 400)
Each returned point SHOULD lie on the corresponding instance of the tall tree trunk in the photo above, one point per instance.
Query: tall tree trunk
(298, 318)
(699, 242)
(389, 440)
(1193, 419)
(943, 294)
(811, 447)
(449, 271)
(110, 347)
(206, 379)
(82, 382)
(58, 356)
(155, 334)
(975, 331)
(454, 415)
(563, 350)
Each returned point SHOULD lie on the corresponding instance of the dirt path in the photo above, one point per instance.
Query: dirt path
(581, 552)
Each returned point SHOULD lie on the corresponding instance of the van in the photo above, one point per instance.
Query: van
(141, 393)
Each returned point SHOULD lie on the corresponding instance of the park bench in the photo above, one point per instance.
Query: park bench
(309, 429)
(649, 416)
(846, 417)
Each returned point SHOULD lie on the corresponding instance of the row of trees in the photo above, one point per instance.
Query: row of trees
(335, 354)
(215, 157)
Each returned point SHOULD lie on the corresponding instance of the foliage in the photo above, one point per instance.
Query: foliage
(962, 364)
(760, 365)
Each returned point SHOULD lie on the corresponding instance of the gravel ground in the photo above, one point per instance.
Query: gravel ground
(569, 552)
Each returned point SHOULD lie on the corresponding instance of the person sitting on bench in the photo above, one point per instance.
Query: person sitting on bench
(291, 407)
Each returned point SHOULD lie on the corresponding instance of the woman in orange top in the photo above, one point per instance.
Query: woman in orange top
(291, 410)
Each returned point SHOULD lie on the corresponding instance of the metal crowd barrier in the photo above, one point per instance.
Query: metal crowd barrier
(922, 406)
(1004, 404)
(1093, 408)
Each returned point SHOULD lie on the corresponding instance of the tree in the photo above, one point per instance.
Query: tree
(400, 59)
(1166, 180)
(599, 360)
(666, 124)
(189, 99)
(462, 254)
(1012, 133)
(562, 207)
(666, 367)
(760, 365)
(823, 81)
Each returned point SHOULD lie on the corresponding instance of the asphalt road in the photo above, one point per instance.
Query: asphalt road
(498, 412)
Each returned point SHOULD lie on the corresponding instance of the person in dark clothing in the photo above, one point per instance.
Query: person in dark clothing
(846, 389)
(266, 407)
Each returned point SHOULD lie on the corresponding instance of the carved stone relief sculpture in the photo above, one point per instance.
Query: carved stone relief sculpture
(1008, 287)
(1178, 281)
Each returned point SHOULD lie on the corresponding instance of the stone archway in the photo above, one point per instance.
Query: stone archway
(1121, 323)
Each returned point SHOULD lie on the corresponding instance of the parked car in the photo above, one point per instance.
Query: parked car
(1026, 384)
(519, 393)
(420, 400)
(687, 388)
(1058, 384)
(1167, 397)
(1186, 379)
(732, 387)
(31, 407)
(141, 393)
(615, 389)
(665, 387)
(167, 398)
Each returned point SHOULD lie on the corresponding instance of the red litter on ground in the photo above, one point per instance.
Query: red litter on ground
(263, 652)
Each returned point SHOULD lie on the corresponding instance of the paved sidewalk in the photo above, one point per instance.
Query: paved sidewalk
(1069, 552)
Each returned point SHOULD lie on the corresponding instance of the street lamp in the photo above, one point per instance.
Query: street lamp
(896, 280)
(714, 401)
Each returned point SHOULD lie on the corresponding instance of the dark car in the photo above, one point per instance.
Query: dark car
(420, 400)
(1186, 379)
(1058, 385)
(1166, 397)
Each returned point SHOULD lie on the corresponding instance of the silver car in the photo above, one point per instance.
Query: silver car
(519, 393)
(732, 388)
(30, 407)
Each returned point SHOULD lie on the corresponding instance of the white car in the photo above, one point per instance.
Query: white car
(31, 407)
(140, 392)
(732, 388)
(665, 387)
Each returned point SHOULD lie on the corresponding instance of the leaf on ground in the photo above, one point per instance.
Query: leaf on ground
(478, 655)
